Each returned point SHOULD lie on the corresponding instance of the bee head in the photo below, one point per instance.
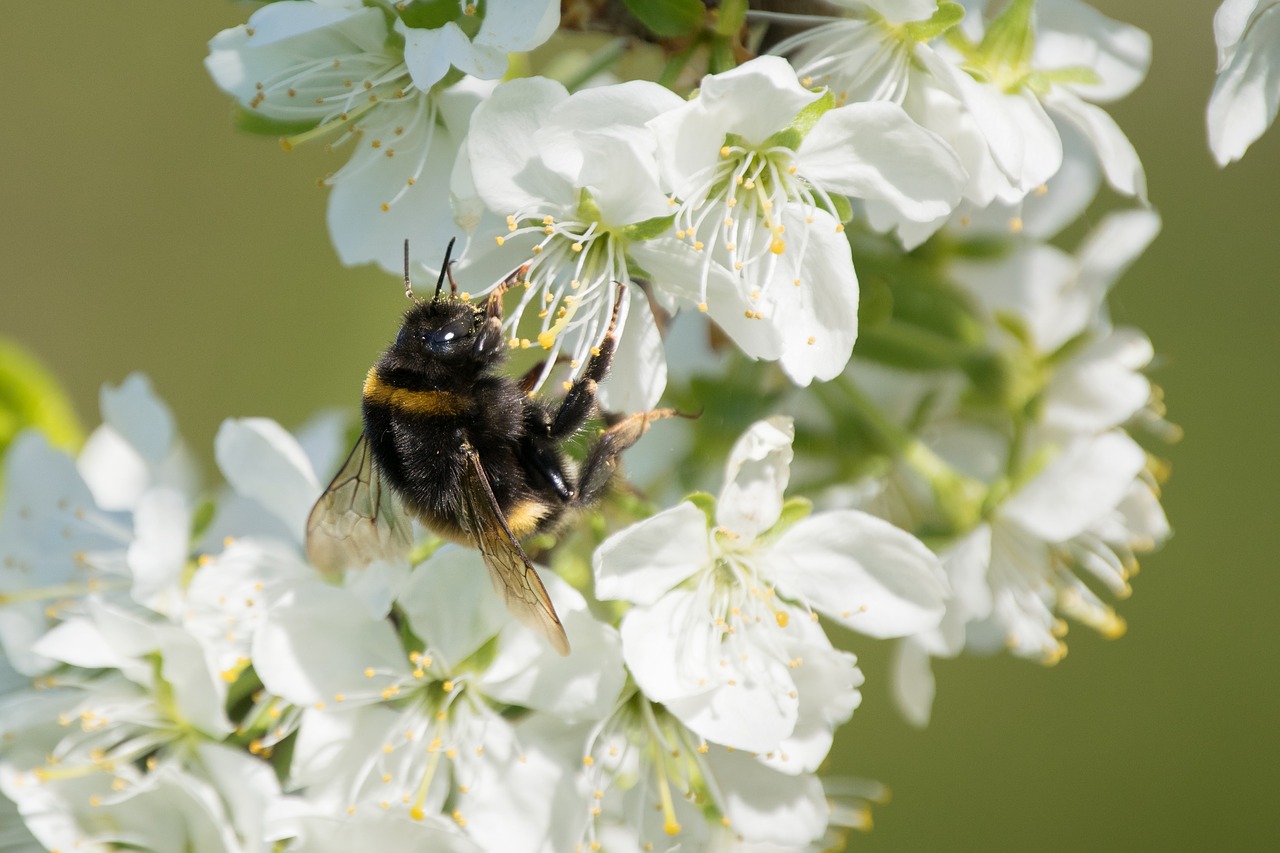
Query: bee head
(441, 331)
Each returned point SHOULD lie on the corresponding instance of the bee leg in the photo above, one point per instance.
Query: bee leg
(602, 455)
(580, 403)
(489, 338)
(493, 304)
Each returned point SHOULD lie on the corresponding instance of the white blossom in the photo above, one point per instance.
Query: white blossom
(719, 634)
(1246, 93)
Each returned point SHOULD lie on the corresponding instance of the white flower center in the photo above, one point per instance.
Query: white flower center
(570, 283)
(735, 209)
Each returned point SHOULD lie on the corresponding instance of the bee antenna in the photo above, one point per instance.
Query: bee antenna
(408, 285)
(444, 268)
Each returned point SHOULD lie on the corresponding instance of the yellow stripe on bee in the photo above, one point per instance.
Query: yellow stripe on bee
(524, 517)
(437, 403)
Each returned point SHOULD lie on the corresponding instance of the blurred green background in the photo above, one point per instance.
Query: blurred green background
(142, 233)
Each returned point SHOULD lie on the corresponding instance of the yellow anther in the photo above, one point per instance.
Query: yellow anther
(778, 246)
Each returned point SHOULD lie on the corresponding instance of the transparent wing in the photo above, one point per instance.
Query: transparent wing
(513, 576)
(357, 520)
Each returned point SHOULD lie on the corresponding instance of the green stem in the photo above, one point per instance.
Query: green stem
(677, 63)
(960, 498)
(604, 58)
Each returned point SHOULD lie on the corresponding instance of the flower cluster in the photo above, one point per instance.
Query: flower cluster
(840, 239)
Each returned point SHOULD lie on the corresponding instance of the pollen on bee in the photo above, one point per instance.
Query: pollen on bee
(567, 384)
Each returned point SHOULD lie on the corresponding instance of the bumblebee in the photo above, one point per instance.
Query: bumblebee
(467, 450)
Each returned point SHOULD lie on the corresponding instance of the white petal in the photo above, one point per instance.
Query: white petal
(827, 681)
(158, 554)
(675, 267)
(766, 806)
(1101, 388)
(514, 26)
(450, 604)
(134, 411)
(862, 572)
(511, 178)
(756, 477)
(319, 641)
(1072, 33)
(1116, 153)
(428, 53)
(816, 321)
(198, 694)
(398, 189)
(754, 100)
(583, 685)
(640, 563)
(1085, 482)
(675, 653)
(875, 151)
(913, 683)
(261, 460)
(639, 373)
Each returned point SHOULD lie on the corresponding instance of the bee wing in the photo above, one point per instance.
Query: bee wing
(357, 520)
(513, 576)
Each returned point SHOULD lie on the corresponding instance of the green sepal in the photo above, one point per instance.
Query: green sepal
(668, 18)
(433, 14)
(202, 518)
(31, 397)
(732, 15)
(649, 228)
(946, 16)
(844, 207)
(1078, 75)
(794, 509)
(588, 210)
(793, 134)
(239, 691)
(706, 503)
(720, 57)
(1010, 39)
(252, 121)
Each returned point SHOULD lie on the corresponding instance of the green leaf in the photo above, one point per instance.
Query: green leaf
(946, 16)
(668, 18)
(31, 397)
(649, 228)
(252, 121)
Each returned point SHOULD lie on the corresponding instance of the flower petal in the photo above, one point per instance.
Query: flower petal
(756, 477)
(875, 151)
(862, 572)
(261, 460)
(1088, 480)
(648, 558)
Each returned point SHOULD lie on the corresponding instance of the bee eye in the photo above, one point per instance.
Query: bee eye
(444, 336)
